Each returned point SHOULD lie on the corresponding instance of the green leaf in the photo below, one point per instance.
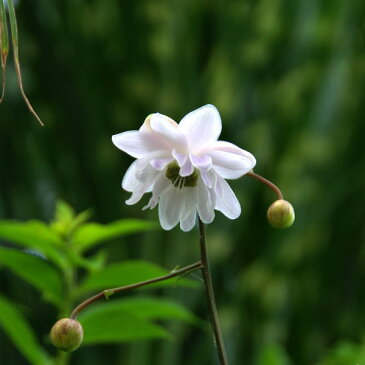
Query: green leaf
(91, 263)
(35, 235)
(345, 353)
(273, 354)
(66, 221)
(15, 41)
(18, 330)
(110, 326)
(4, 45)
(129, 272)
(35, 271)
(150, 309)
(130, 319)
(92, 234)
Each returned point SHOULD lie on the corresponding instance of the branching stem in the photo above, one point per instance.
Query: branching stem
(108, 292)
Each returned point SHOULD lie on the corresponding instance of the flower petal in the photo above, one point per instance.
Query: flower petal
(231, 148)
(205, 203)
(130, 182)
(161, 184)
(227, 201)
(139, 180)
(168, 130)
(202, 162)
(189, 194)
(179, 157)
(135, 198)
(188, 215)
(209, 178)
(139, 144)
(187, 169)
(170, 208)
(189, 222)
(231, 165)
(160, 163)
(201, 127)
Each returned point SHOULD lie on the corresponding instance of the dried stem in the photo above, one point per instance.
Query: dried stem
(213, 313)
(108, 292)
(268, 183)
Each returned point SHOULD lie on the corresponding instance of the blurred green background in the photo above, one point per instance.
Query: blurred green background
(288, 77)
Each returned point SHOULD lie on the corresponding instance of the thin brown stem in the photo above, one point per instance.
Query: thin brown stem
(213, 313)
(268, 183)
(108, 292)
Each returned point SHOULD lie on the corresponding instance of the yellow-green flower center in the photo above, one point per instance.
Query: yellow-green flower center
(172, 173)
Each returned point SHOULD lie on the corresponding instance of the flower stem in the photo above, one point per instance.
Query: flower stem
(268, 183)
(108, 292)
(213, 313)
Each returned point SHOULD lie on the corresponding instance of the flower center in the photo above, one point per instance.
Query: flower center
(172, 173)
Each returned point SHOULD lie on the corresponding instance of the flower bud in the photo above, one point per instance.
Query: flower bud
(281, 214)
(66, 334)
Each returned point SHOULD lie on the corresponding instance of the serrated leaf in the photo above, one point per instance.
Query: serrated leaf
(34, 235)
(111, 326)
(21, 334)
(126, 273)
(91, 234)
(4, 45)
(35, 271)
(14, 37)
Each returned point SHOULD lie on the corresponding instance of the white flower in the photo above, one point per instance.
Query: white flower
(184, 166)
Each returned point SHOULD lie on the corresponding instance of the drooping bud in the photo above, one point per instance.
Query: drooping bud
(66, 334)
(281, 214)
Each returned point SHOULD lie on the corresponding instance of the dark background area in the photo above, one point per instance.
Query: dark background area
(288, 78)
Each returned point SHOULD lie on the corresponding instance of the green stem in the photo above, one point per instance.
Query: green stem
(213, 313)
(108, 292)
(63, 358)
(268, 183)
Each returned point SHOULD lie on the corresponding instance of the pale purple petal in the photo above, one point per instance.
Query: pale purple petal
(187, 169)
(227, 201)
(168, 130)
(202, 162)
(201, 127)
(160, 163)
(179, 157)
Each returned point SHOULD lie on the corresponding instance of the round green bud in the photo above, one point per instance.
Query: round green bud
(66, 334)
(281, 214)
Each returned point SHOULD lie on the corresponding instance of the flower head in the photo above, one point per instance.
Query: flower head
(184, 166)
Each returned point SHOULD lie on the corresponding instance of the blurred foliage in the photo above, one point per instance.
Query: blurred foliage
(57, 278)
(288, 78)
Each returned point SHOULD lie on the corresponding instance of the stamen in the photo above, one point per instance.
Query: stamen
(173, 174)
